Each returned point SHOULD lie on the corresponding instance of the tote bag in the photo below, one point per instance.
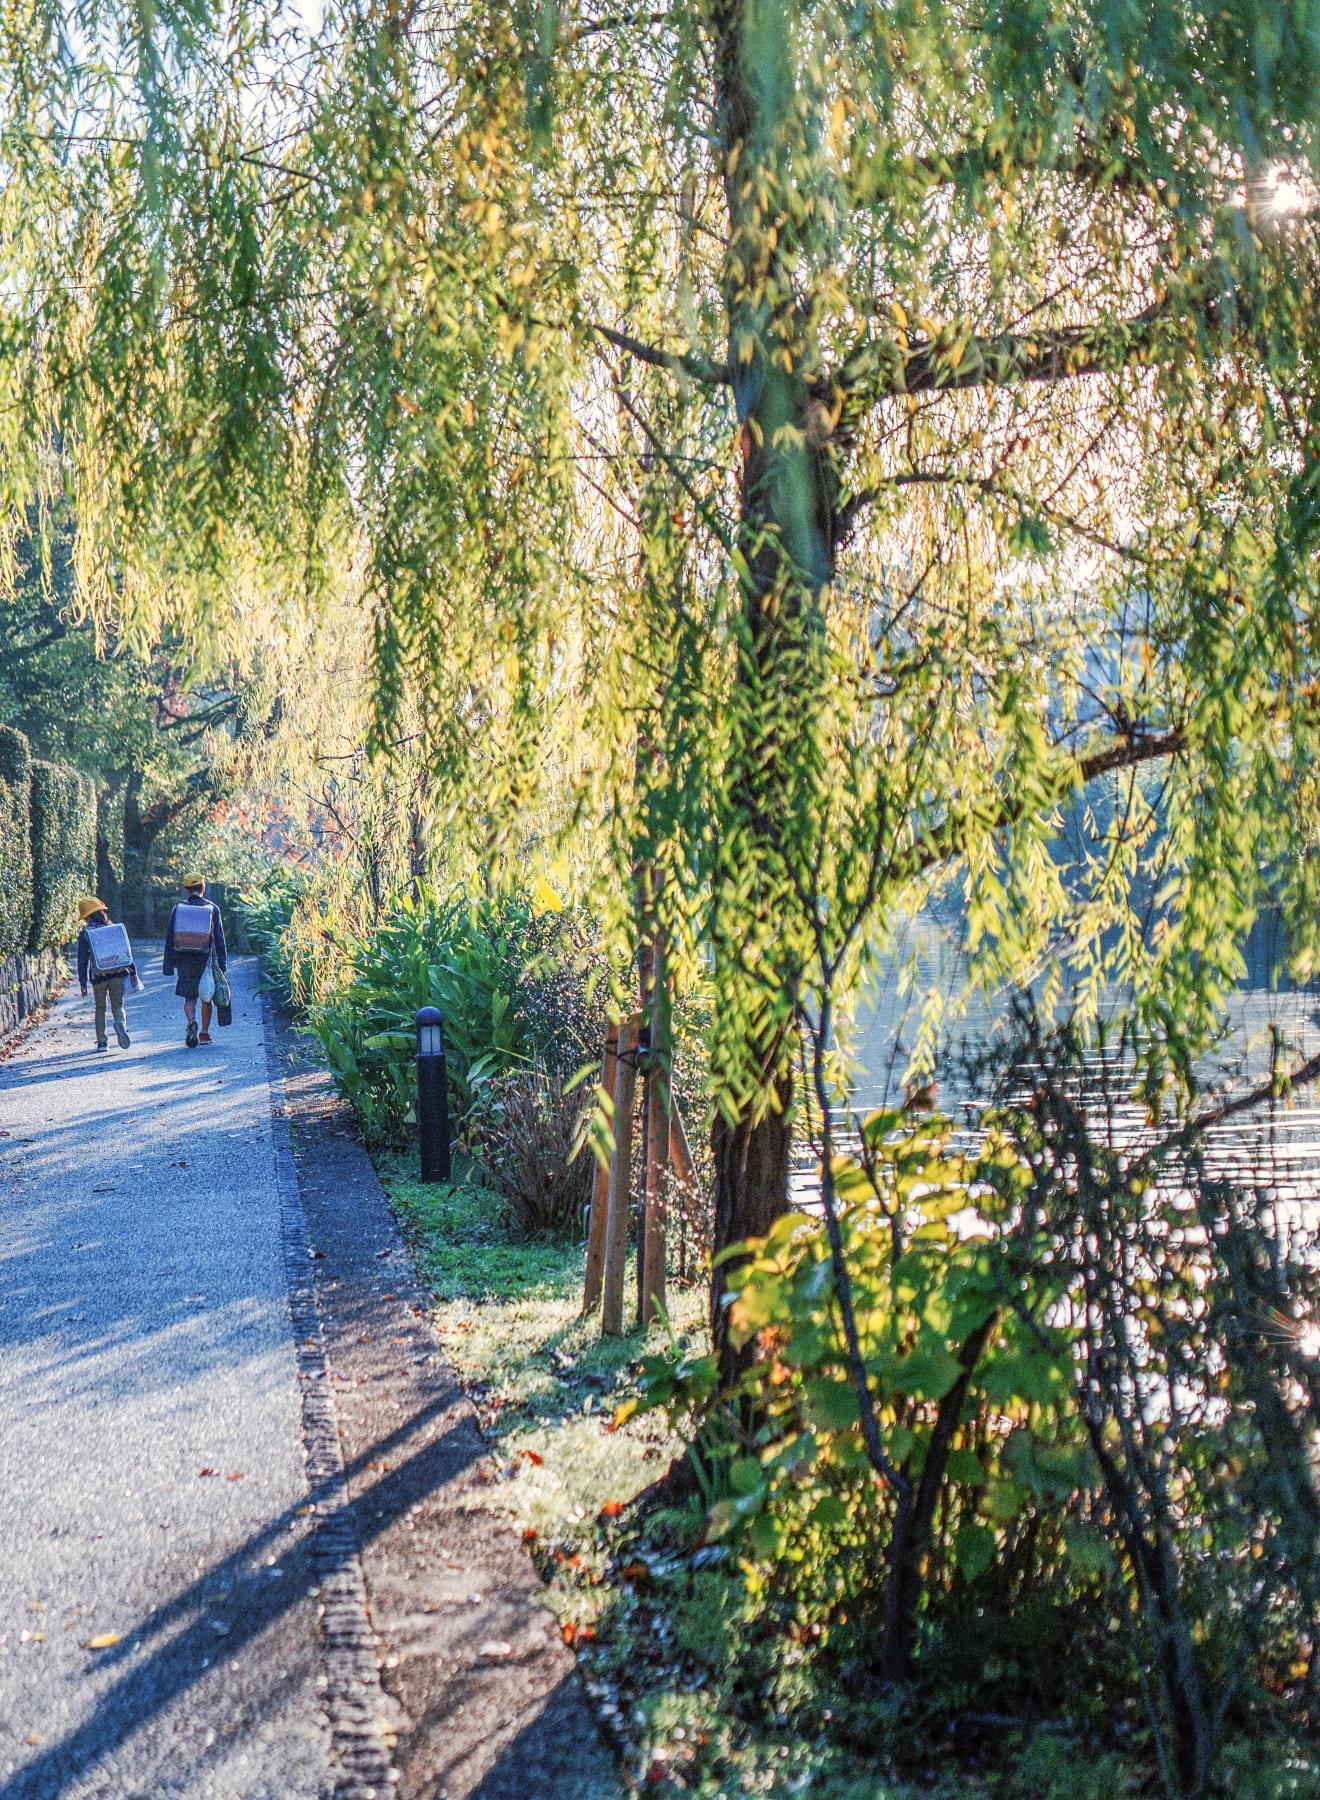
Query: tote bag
(224, 1000)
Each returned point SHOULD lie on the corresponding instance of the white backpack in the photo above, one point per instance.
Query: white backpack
(192, 926)
(111, 951)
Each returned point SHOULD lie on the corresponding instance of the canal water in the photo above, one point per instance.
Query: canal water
(1275, 1147)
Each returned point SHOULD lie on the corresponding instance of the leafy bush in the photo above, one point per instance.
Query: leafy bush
(267, 915)
(63, 851)
(511, 984)
(966, 1375)
(525, 1129)
(15, 841)
(1064, 1469)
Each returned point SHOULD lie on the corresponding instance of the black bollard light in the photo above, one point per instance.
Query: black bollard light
(432, 1095)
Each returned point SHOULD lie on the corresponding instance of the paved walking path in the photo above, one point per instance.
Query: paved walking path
(239, 1555)
(151, 1457)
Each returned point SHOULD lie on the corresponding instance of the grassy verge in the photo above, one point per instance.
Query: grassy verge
(701, 1693)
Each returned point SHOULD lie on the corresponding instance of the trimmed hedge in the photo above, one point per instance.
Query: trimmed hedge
(63, 851)
(15, 842)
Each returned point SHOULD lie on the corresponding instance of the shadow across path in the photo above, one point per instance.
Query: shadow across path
(226, 1611)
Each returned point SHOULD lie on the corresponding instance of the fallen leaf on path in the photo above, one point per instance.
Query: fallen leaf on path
(495, 1647)
(532, 1456)
(236, 1475)
(611, 1509)
(106, 1639)
(34, 1740)
(206, 1471)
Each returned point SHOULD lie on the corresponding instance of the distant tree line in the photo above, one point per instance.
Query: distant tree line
(156, 745)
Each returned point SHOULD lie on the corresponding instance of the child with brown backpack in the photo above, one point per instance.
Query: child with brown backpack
(195, 952)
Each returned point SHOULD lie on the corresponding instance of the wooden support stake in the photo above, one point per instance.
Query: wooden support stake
(685, 1175)
(643, 1161)
(645, 992)
(651, 1247)
(680, 1151)
(616, 1221)
(600, 1189)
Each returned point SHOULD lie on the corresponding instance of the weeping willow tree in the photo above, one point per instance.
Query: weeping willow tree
(837, 440)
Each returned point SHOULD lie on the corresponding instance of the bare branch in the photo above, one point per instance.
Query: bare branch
(880, 368)
(678, 362)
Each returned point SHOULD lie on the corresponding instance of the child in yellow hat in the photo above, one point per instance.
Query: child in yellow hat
(194, 937)
(108, 983)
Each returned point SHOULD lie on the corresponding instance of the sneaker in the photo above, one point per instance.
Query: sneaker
(190, 1037)
(122, 1035)
(102, 1045)
(205, 1038)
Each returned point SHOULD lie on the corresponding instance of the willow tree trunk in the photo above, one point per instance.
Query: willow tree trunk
(751, 1191)
(788, 499)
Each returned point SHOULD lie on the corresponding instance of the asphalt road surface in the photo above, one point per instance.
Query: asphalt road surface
(157, 1597)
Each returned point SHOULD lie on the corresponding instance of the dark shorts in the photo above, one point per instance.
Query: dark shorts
(189, 966)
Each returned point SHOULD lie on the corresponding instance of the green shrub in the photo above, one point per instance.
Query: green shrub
(511, 984)
(63, 851)
(969, 1380)
(267, 916)
(15, 841)
(1054, 1767)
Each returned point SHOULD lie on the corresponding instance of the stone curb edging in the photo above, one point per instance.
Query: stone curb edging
(354, 1700)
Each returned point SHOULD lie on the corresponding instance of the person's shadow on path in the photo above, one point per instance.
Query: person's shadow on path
(253, 1601)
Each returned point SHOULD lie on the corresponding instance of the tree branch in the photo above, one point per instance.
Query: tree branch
(989, 485)
(678, 362)
(617, 22)
(1127, 752)
(199, 785)
(880, 368)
